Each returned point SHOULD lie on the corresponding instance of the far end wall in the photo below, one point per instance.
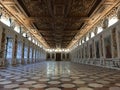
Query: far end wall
(58, 56)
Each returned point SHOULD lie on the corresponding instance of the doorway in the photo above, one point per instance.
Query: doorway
(58, 56)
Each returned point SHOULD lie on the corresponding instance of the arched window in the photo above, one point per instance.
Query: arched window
(83, 41)
(33, 41)
(29, 38)
(80, 42)
(5, 20)
(99, 29)
(112, 20)
(30, 54)
(19, 50)
(17, 29)
(9, 47)
(36, 42)
(87, 37)
(25, 52)
(24, 34)
(92, 34)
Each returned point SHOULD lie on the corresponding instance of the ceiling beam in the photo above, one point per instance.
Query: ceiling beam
(65, 31)
(8, 2)
(37, 19)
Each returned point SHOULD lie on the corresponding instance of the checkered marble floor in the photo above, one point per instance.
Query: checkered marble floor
(59, 76)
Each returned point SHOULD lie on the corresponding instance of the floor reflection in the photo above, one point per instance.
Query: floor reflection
(62, 75)
(56, 68)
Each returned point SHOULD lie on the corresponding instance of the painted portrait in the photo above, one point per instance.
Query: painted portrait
(115, 54)
(101, 43)
(85, 51)
(90, 50)
(107, 43)
(97, 49)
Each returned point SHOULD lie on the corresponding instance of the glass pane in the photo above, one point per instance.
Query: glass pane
(25, 52)
(17, 29)
(9, 49)
(112, 20)
(100, 29)
(5, 20)
(19, 50)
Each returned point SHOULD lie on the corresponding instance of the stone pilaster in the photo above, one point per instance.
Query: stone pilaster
(14, 55)
(28, 58)
(32, 53)
(23, 47)
(35, 53)
(65, 56)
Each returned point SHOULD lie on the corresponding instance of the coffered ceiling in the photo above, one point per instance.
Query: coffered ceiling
(57, 22)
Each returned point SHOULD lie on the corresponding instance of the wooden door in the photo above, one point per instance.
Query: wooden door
(58, 56)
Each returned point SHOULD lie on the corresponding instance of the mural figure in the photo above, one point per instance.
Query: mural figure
(101, 43)
(90, 50)
(114, 43)
(85, 51)
(107, 42)
(15, 48)
(97, 49)
(93, 54)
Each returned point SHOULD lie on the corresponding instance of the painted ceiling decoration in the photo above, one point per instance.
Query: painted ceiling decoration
(58, 23)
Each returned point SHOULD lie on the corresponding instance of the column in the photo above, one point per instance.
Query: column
(101, 50)
(28, 58)
(94, 55)
(14, 54)
(61, 56)
(88, 51)
(54, 56)
(35, 53)
(51, 56)
(65, 56)
(23, 46)
(39, 54)
(2, 48)
(32, 53)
